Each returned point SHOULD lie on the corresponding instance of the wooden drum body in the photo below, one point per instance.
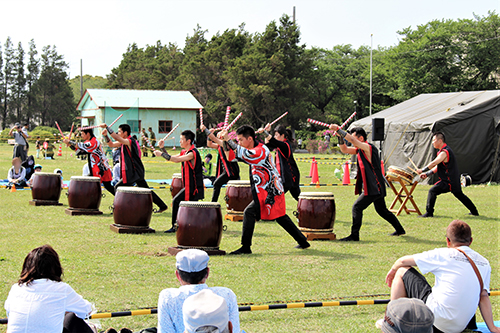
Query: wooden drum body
(238, 197)
(46, 189)
(132, 210)
(199, 225)
(396, 172)
(316, 214)
(177, 184)
(84, 196)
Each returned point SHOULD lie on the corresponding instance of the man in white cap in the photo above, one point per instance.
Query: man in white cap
(206, 312)
(192, 273)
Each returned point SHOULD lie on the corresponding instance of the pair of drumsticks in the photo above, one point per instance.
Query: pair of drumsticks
(416, 168)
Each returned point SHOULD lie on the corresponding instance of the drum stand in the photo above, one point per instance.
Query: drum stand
(36, 202)
(81, 211)
(211, 252)
(311, 235)
(233, 216)
(401, 197)
(126, 229)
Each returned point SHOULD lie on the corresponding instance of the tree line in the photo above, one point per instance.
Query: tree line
(265, 74)
(34, 89)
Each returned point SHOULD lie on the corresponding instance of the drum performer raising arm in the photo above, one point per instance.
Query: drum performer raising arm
(446, 167)
(370, 184)
(132, 169)
(227, 166)
(267, 189)
(192, 174)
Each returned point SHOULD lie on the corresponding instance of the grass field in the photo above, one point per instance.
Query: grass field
(118, 272)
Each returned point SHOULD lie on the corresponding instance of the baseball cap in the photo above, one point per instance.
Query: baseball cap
(37, 166)
(205, 309)
(192, 260)
(408, 315)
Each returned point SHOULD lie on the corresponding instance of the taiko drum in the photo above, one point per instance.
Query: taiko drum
(238, 196)
(132, 207)
(84, 193)
(176, 185)
(199, 225)
(316, 211)
(46, 188)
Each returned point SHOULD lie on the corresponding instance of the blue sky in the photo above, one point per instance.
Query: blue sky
(99, 31)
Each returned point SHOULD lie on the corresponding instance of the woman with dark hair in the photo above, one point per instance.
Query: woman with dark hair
(285, 163)
(40, 302)
(97, 160)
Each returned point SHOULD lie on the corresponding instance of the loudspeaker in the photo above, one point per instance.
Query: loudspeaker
(378, 129)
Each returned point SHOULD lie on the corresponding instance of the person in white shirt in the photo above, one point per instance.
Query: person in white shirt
(17, 174)
(192, 273)
(206, 312)
(457, 289)
(40, 302)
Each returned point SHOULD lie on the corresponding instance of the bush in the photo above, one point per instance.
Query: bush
(44, 132)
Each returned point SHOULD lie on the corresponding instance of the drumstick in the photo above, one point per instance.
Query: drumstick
(416, 167)
(234, 121)
(116, 120)
(143, 146)
(345, 122)
(226, 119)
(201, 115)
(412, 170)
(71, 132)
(172, 131)
(59, 129)
(147, 140)
(312, 121)
(277, 119)
(88, 127)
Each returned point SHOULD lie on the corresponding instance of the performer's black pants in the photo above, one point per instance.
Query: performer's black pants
(73, 324)
(180, 196)
(219, 182)
(249, 217)
(109, 187)
(378, 201)
(142, 183)
(440, 188)
(295, 192)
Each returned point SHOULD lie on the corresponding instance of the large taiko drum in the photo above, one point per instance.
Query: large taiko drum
(84, 193)
(176, 185)
(316, 212)
(199, 225)
(396, 172)
(132, 209)
(46, 189)
(238, 196)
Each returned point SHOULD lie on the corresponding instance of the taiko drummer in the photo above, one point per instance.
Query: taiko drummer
(370, 184)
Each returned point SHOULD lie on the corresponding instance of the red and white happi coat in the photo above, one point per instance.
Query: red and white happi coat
(98, 162)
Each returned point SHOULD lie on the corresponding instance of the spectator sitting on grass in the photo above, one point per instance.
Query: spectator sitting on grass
(206, 312)
(40, 302)
(59, 172)
(48, 149)
(459, 288)
(38, 168)
(192, 273)
(17, 174)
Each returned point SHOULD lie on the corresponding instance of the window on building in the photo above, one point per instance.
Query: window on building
(164, 126)
(134, 125)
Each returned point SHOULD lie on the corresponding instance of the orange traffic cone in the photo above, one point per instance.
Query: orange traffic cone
(13, 188)
(382, 167)
(347, 178)
(59, 153)
(315, 175)
(312, 167)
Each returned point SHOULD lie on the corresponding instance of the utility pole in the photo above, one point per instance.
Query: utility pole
(371, 72)
(293, 14)
(81, 77)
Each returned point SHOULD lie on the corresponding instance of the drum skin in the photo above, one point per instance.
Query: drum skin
(315, 212)
(199, 224)
(238, 195)
(405, 176)
(176, 185)
(133, 207)
(84, 193)
(46, 186)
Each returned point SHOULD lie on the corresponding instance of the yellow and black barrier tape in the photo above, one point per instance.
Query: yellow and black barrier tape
(151, 311)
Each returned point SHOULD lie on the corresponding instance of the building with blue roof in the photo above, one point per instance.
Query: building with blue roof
(159, 109)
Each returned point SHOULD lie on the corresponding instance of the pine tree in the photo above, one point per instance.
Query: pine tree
(18, 85)
(8, 79)
(31, 78)
(2, 96)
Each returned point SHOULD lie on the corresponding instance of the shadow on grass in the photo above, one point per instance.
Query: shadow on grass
(412, 239)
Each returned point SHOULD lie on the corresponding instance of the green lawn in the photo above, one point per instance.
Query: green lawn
(119, 272)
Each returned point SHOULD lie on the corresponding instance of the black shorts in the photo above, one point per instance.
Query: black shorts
(416, 285)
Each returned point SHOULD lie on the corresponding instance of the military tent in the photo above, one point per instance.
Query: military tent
(470, 121)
